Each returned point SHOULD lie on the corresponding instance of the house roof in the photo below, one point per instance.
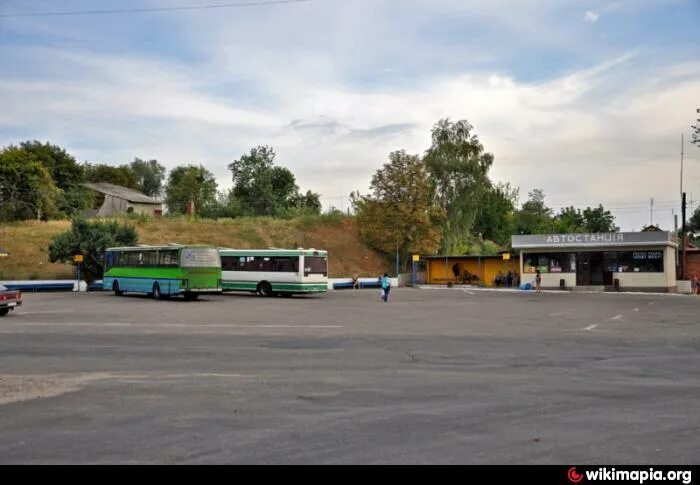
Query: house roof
(122, 193)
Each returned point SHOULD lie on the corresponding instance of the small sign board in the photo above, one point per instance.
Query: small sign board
(506, 256)
(416, 257)
(78, 258)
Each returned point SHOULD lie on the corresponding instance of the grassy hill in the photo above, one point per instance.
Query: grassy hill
(28, 242)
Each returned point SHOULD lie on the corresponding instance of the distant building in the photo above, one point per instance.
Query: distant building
(120, 200)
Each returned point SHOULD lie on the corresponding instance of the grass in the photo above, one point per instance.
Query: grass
(28, 241)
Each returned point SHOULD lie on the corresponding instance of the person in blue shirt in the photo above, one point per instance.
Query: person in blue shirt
(386, 287)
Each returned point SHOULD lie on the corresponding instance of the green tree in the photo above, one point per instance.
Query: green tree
(150, 176)
(90, 239)
(401, 212)
(458, 169)
(263, 189)
(694, 222)
(598, 220)
(121, 175)
(569, 220)
(495, 218)
(534, 217)
(66, 173)
(27, 190)
(190, 182)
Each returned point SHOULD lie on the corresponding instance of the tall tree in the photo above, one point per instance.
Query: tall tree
(27, 190)
(66, 173)
(534, 216)
(121, 175)
(150, 176)
(598, 220)
(569, 220)
(495, 218)
(263, 189)
(458, 168)
(401, 212)
(190, 182)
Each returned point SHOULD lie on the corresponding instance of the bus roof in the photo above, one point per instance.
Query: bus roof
(273, 252)
(148, 247)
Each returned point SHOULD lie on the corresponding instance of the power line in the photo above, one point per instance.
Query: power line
(151, 9)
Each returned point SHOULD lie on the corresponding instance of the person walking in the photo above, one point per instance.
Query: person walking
(538, 281)
(386, 287)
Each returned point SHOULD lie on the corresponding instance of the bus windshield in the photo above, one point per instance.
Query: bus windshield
(200, 258)
(315, 265)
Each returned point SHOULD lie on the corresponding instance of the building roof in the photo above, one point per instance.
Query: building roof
(129, 195)
(465, 256)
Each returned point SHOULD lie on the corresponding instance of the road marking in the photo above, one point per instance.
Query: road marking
(165, 325)
(652, 303)
(591, 327)
(51, 312)
(616, 317)
(636, 309)
(466, 291)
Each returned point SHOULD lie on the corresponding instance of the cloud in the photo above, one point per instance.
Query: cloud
(591, 17)
(599, 125)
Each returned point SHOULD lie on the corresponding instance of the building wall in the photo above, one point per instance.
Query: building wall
(670, 266)
(643, 280)
(147, 209)
(112, 206)
(551, 280)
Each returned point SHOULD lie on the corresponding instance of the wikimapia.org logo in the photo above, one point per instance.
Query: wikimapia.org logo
(639, 476)
(574, 477)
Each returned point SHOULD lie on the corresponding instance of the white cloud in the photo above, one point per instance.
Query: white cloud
(591, 17)
(604, 133)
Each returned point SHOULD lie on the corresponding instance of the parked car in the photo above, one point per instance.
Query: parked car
(9, 300)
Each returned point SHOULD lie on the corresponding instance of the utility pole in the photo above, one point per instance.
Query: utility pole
(651, 212)
(684, 235)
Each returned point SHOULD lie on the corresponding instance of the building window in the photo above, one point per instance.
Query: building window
(635, 261)
(549, 262)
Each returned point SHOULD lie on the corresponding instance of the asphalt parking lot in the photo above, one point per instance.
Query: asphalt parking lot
(434, 376)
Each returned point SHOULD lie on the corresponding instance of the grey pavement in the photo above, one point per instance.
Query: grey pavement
(433, 376)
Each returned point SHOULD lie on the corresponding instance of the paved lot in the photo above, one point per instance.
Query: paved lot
(434, 376)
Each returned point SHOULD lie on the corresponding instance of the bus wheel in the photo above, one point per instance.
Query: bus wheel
(157, 295)
(115, 288)
(265, 289)
(191, 296)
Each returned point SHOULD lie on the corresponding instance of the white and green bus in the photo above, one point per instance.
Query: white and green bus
(163, 271)
(270, 272)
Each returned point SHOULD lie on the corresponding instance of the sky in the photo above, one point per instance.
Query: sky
(586, 100)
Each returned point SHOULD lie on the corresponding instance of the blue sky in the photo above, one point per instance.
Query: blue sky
(584, 99)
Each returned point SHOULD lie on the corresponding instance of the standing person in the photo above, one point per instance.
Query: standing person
(355, 282)
(455, 271)
(509, 279)
(694, 284)
(538, 281)
(386, 286)
(499, 279)
(516, 280)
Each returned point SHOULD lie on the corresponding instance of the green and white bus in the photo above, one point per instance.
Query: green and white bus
(269, 272)
(163, 271)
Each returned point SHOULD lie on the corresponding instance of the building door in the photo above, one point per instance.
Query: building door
(597, 275)
(583, 269)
